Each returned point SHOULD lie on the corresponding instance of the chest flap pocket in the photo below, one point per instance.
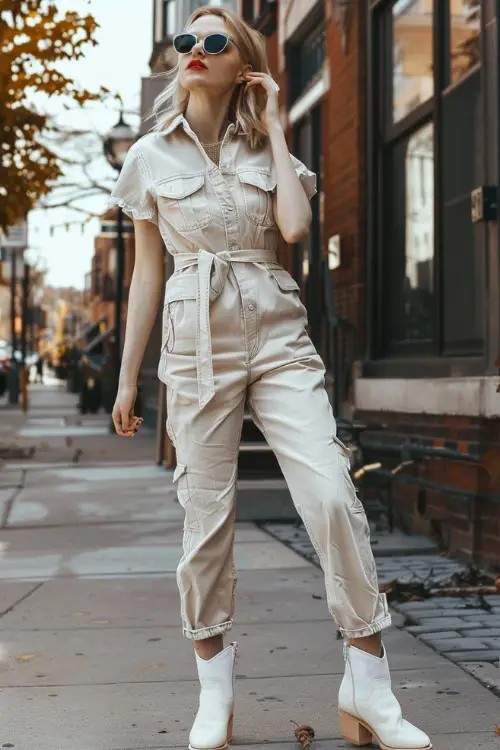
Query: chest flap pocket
(258, 186)
(183, 202)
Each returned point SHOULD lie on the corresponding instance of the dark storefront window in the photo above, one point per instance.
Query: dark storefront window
(410, 273)
(248, 10)
(425, 158)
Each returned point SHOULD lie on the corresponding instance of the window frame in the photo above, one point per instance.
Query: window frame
(314, 26)
(164, 20)
(382, 134)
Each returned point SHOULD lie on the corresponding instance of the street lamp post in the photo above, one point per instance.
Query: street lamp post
(13, 372)
(116, 146)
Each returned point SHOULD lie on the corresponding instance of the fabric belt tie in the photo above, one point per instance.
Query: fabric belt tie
(211, 277)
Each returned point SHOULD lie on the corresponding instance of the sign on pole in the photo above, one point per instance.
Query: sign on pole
(14, 239)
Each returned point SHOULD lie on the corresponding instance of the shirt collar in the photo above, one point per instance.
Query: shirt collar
(181, 120)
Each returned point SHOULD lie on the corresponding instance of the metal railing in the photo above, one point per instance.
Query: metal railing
(338, 343)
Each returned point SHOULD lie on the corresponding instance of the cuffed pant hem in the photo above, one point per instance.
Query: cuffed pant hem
(375, 627)
(202, 633)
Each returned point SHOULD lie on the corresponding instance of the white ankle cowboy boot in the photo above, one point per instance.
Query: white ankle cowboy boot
(213, 726)
(369, 709)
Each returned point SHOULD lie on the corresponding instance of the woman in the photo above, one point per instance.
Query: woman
(215, 183)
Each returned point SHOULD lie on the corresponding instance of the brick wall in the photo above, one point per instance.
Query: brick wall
(343, 166)
(456, 502)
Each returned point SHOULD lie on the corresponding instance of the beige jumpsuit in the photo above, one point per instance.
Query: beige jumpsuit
(234, 333)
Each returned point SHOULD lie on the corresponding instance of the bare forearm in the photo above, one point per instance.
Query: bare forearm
(292, 209)
(144, 301)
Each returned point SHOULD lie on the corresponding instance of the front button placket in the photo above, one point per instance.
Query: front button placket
(244, 274)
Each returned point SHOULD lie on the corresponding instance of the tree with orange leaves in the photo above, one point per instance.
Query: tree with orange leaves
(34, 38)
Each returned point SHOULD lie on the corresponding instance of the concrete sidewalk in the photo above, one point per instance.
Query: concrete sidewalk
(94, 656)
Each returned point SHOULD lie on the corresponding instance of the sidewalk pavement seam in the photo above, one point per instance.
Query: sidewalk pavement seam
(240, 624)
(10, 502)
(21, 600)
(98, 522)
(273, 743)
(193, 681)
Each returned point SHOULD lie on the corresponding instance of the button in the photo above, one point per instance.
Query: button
(251, 307)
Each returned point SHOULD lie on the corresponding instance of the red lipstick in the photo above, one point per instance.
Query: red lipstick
(196, 64)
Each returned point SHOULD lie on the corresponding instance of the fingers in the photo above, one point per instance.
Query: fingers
(134, 424)
(262, 79)
(126, 428)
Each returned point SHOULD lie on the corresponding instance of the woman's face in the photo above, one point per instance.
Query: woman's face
(217, 73)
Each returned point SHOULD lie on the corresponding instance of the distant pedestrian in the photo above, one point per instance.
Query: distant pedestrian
(39, 369)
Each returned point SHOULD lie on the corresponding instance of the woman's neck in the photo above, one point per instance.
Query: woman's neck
(208, 116)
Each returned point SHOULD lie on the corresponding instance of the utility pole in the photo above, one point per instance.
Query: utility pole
(13, 373)
(24, 370)
(24, 329)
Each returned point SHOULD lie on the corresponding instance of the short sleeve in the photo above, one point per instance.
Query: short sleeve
(307, 178)
(132, 189)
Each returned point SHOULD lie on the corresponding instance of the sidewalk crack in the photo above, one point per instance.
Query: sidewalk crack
(22, 599)
(10, 502)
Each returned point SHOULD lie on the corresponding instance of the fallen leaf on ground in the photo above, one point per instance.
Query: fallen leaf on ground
(99, 622)
(25, 657)
(497, 730)
(304, 734)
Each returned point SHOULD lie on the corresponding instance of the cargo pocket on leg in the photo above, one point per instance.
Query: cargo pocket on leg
(168, 424)
(345, 467)
(180, 478)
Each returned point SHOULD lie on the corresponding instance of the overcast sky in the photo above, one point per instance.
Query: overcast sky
(118, 62)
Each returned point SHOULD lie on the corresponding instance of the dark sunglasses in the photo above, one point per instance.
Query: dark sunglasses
(213, 44)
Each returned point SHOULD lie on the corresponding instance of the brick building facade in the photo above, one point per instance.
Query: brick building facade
(100, 291)
(403, 100)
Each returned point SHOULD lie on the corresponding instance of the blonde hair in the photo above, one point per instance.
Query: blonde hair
(245, 108)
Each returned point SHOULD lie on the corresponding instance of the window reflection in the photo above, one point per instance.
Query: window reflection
(418, 285)
(412, 55)
(465, 22)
